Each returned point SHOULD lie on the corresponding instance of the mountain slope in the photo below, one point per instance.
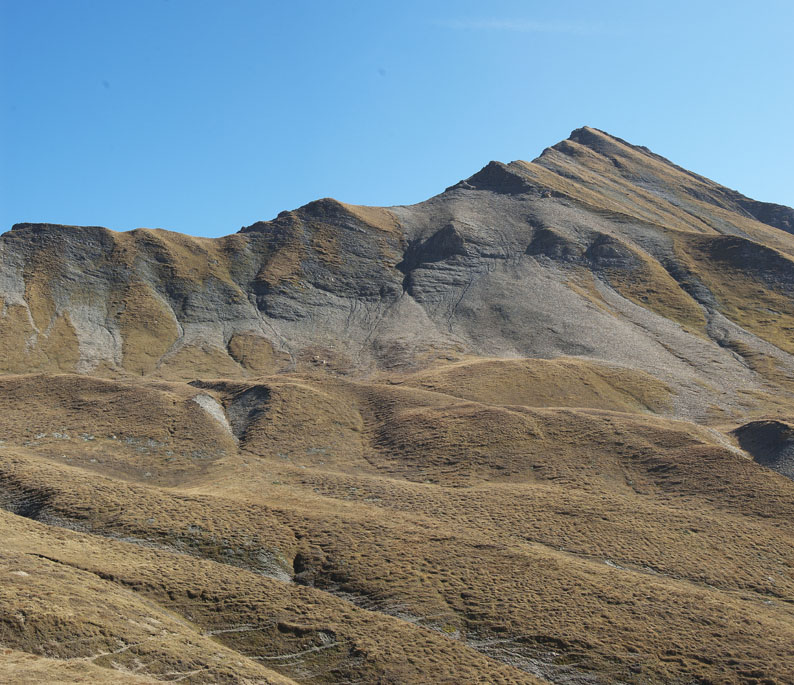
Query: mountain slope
(596, 249)
(534, 429)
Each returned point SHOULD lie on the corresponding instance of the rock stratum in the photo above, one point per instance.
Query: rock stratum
(537, 428)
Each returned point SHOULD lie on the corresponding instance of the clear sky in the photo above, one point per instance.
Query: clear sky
(203, 116)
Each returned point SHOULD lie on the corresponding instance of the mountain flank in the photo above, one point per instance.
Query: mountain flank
(536, 429)
(597, 249)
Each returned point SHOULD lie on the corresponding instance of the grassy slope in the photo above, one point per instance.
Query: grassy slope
(488, 520)
(411, 532)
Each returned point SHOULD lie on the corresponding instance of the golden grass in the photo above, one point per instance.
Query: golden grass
(57, 348)
(125, 428)
(736, 282)
(325, 243)
(61, 347)
(376, 217)
(15, 331)
(18, 667)
(650, 286)
(191, 361)
(256, 354)
(270, 620)
(546, 383)
(39, 269)
(589, 538)
(147, 326)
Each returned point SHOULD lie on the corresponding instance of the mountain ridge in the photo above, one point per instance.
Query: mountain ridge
(777, 215)
(610, 219)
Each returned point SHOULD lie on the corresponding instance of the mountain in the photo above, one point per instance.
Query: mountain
(597, 249)
(537, 428)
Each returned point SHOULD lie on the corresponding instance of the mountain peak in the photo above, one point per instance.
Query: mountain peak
(597, 141)
(497, 177)
(586, 134)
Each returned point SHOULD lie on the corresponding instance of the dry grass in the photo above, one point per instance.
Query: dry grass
(23, 667)
(53, 348)
(126, 428)
(546, 383)
(148, 328)
(376, 217)
(256, 355)
(650, 286)
(286, 519)
(752, 284)
(603, 541)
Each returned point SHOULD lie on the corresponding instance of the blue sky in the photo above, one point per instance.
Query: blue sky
(202, 117)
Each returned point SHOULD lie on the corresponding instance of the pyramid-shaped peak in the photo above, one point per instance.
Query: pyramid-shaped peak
(598, 141)
(588, 135)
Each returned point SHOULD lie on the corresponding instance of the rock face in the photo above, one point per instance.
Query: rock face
(597, 248)
(771, 443)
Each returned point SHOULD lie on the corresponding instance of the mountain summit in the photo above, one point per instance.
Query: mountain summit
(536, 429)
